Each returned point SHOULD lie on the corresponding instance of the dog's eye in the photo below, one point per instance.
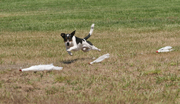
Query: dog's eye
(65, 39)
(69, 39)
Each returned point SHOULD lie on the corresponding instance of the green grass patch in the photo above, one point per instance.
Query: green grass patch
(169, 77)
(152, 72)
(60, 79)
(62, 15)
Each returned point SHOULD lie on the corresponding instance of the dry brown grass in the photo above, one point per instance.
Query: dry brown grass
(134, 73)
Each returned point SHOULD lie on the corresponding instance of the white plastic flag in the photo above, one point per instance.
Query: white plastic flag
(165, 49)
(42, 68)
(101, 58)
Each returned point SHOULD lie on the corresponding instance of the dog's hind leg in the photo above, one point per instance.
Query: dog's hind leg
(95, 48)
(85, 49)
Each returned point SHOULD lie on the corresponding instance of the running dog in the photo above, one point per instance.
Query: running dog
(74, 43)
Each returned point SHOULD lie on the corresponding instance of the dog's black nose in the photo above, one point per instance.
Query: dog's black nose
(67, 44)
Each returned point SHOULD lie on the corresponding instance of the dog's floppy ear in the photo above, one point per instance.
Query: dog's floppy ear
(72, 34)
(63, 34)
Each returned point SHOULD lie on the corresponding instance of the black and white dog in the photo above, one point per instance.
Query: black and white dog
(74, 43)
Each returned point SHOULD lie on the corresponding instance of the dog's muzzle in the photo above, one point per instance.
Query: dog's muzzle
(67, 43)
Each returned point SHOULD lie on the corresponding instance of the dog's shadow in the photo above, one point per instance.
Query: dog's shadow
(74, 60)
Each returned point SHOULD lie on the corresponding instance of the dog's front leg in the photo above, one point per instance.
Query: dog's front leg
(74, 48)
(69, 52)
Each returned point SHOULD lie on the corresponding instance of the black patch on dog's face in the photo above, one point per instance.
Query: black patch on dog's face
(67, 37)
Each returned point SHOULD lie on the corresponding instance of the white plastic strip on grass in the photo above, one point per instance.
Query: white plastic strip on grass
(42, 68)
(101, 58)
(165, 49)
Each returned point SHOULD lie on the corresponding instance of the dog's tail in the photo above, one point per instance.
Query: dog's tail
(91, 30)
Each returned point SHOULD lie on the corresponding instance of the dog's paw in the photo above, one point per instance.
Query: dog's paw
(99, 50)
(70, 54)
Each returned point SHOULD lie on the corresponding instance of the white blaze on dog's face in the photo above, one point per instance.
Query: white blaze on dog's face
(68, 38)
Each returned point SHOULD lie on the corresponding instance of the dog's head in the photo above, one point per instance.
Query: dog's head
(68, 38)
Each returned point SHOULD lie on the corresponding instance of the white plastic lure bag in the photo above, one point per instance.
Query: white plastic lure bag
(165, 49)
(101, 58)
(42, 68)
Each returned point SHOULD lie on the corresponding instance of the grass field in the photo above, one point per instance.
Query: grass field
(129, 30)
